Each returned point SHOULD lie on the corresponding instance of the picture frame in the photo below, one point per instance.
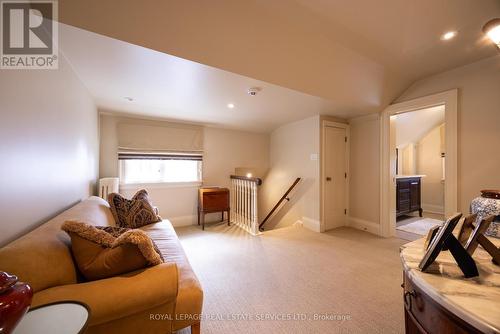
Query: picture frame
(478, 238)
(445, 239)
(466, 229)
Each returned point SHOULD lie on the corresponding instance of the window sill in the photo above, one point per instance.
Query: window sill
(137, 186)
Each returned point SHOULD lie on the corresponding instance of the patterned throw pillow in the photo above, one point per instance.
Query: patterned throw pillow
(135, 212)
(102, 252)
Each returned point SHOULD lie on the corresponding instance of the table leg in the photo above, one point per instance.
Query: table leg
(228, 218)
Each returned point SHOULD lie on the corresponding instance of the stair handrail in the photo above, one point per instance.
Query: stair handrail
(284, 197)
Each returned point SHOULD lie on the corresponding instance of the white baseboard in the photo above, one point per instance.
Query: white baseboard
(364, 225)
(311, 224)
(183, 220)
(193, 219)
(433, 208)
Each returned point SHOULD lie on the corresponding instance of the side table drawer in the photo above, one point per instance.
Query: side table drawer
(215, 201)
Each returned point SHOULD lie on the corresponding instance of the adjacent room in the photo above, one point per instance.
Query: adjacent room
(420, 170)
(249, 166)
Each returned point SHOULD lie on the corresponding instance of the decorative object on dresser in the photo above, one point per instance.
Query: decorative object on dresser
(466, 229)
(408, 193)
(478, 238)
(445, 238)
(15, 299)
(489, 193)
(213, 199)
(486, 205)
(430, 235)
(66, 317)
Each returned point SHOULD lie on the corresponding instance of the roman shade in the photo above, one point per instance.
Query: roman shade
(159, 156)
(168, 137)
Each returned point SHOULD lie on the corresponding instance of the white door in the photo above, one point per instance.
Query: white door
(335, 182)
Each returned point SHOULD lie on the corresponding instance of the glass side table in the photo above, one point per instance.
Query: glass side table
(68, 317)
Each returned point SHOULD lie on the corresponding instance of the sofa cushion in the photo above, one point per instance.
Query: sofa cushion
(42, 258)
(135, 212)
(102, 252)
(190, 295)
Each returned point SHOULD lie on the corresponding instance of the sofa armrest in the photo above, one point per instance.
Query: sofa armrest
(119, 296)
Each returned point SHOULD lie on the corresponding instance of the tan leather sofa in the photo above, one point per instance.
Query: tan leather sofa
(159, 299)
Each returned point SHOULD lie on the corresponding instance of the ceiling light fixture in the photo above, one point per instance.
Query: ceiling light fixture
(492, 30)
(230, 105)
(252, 91)
(448, 35)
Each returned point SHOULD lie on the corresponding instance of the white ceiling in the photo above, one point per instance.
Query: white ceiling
(360, 54)
(412, 126)
(169, 87)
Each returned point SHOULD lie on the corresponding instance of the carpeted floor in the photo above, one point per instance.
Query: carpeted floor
(251, 284)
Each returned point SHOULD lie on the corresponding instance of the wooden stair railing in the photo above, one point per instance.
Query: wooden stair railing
(283, 198)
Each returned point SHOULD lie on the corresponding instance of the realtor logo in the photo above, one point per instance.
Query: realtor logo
(29, 34)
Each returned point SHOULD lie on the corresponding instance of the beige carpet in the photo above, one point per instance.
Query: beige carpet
(293, 272)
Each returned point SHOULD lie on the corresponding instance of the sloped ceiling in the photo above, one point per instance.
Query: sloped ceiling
(359, 54)
(413, 126)
(169, 87)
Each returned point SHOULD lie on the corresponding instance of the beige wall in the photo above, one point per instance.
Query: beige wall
(224, 151)
(290, 157)
(408, 160)
(478, 119)
(364, 165)
(49, 152)
(429, 164)
(478, 123)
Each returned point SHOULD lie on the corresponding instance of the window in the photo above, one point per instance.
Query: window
(159, 167)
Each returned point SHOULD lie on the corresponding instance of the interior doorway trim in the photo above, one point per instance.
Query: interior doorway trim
(325, 124)
(387, 174)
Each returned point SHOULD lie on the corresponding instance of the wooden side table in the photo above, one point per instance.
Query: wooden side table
(213, 199)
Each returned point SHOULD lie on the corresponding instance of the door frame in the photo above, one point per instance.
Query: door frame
(387, 175)
(346, 127)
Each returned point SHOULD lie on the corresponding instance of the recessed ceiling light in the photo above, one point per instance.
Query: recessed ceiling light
(230, 105)
(492, 30)
(129, 99)
(448, 35)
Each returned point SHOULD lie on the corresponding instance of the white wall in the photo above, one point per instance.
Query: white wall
(429, 164)
(224, 150)
(290, 157)
(49, 151)
(364, 196)
(478, 123)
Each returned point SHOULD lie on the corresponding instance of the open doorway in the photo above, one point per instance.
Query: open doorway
(403, 164)
(420, 175)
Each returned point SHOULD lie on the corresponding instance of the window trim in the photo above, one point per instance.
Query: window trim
(162, 185)
(124, 155)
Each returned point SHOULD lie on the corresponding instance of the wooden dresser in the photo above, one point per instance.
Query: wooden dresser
(213, 199)
(408, 194)
(442, 301)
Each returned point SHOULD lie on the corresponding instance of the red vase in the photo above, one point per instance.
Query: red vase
(15, 300)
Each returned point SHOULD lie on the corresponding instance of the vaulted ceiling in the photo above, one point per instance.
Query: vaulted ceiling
(359, 54)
